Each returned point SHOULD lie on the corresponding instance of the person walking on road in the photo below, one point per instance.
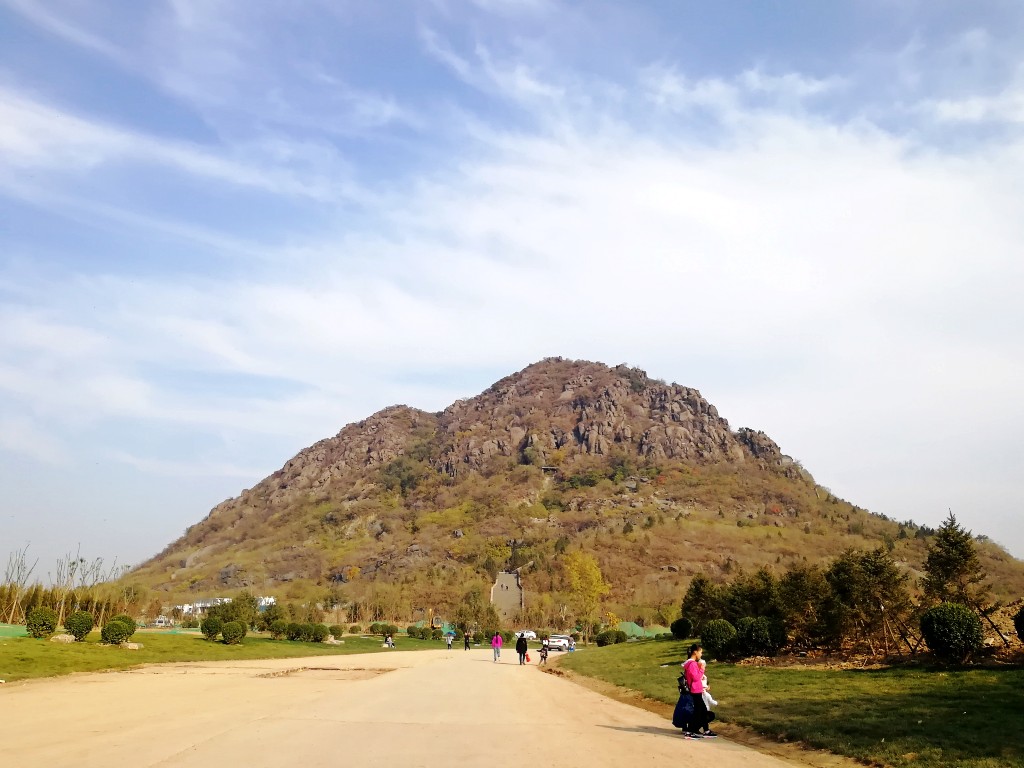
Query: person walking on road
(465, 641)
(698, 727)
(496, 643)
(522, 648)
(448, 639)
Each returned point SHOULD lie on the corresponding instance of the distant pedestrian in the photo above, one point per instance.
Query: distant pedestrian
(544, 652)
(496, 643)
(466, 641)
(521, 648)
(448, 639)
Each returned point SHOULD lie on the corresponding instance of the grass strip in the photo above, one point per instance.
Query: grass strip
(898, 716)
(23, 658)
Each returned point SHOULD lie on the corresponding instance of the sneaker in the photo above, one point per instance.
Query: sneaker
(709, 734)
(692, 735)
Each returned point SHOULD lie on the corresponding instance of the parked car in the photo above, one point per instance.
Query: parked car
(559, 642)
(529, 634)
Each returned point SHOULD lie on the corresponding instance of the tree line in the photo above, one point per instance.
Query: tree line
(861, 601)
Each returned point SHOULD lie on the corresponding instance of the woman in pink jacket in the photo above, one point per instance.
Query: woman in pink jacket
(496, 643)
(699, 725)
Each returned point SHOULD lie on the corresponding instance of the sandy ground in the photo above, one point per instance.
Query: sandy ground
(428, 708)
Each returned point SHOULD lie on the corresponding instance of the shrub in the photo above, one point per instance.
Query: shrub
(716, 637)
(605, 638)
(127, 620)
(337, 630)
(307, 632)
(233, 632)
(294, 631)
(412, 631)
(436, 633)
(1018, 624)
(391, 629)
(506, 636)
(758, 637)
(41, 622)
(355, 629)
(952, 631)
(478, 636)
(278, 628)
(620, 636)
(115, 632)
(211, 627)
(665, 636)
(377, 628)
(319, 633)
(682, 628)
(79, 624)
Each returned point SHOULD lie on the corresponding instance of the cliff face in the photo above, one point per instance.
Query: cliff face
(555, 410)
(564, 453)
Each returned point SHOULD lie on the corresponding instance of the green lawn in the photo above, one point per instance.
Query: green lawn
(903, 716)
(23, 657)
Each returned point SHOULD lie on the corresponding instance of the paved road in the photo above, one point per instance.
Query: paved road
(428, 708)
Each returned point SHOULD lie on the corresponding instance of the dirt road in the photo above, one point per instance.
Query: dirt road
(429, 708)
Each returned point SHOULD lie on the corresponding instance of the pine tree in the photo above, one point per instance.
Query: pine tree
(953, 572)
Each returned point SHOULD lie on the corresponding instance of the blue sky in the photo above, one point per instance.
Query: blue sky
(227, 229)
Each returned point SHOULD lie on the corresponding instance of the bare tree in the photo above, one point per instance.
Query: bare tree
(16, 577)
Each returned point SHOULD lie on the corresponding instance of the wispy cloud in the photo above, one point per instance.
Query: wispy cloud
(35, 135)
(834, 275)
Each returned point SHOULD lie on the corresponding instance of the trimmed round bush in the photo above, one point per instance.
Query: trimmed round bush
(716, 637)
(952, 631)
(127, 620)
(41, 622)
(605, 638)
(665, 636)
(79, 624)
(355, 629)
(377, 628)
(115, 632)
(436, 633)
(278, 628)
(620, 636)
(758, 637)
(319, 633)
(1018, 624)
(682, 628)
(337, 630)
(294, 631)
(307, 632)
(211, 627)
(233, 632)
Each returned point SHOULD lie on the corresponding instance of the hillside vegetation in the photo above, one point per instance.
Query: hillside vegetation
(406, 511)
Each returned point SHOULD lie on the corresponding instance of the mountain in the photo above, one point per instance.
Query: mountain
(409, 507)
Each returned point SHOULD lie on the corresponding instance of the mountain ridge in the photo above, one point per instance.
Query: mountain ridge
(560, 455)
